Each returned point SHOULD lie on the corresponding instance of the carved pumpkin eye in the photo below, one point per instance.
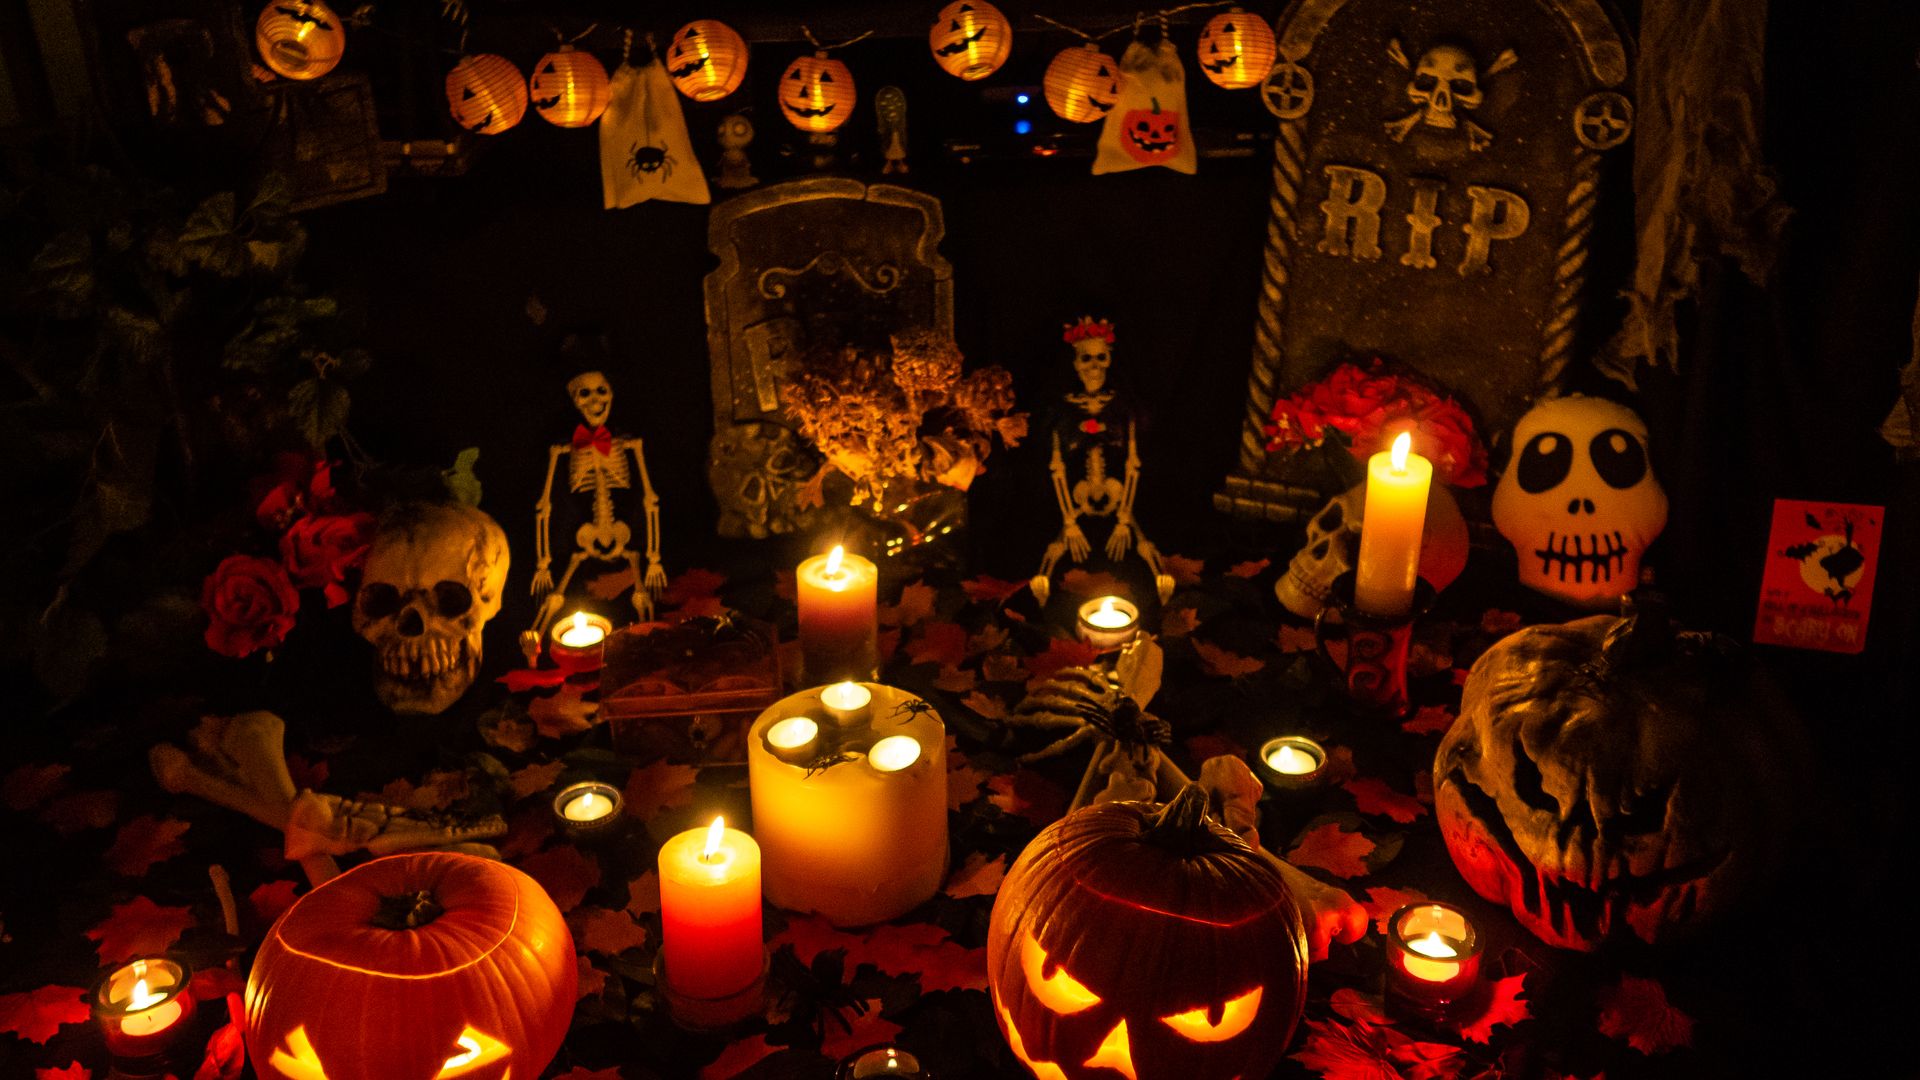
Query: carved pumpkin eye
(1235, 1017)
(1060, 991)
(297, 1060)
(475, 1049)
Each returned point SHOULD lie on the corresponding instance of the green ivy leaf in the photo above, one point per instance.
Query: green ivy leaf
(319, 406)
(461, 482)
(209, 241)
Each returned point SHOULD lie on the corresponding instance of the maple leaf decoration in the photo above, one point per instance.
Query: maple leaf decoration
(1497, 1002)
(35, 1015)
(144, 841)
(139, 927)
(564, 873)
(658, 786)
(1217, 661)
(1637, 1010)
(1374, 796)
(978, 876)
(226, 1055)
(603, 931)
(1381, 902)
(1333, 849)
(74, 1071)
(991, 590)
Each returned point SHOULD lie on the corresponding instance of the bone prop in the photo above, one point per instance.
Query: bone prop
(330, 825)
(238, 762)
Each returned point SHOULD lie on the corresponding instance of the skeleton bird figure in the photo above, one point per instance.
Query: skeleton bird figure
(1095, 429)
(599, 464)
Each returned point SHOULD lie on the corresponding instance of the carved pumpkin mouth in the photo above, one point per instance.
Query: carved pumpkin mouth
(960, 45)
(1595, 557)
(1221, 65)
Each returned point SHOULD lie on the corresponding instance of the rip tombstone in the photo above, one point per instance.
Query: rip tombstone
(1436, 172)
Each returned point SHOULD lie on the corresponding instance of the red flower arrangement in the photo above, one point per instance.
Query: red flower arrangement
(250, 605)
(1368, 407)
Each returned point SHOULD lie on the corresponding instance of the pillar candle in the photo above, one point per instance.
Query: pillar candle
(862, 839)
(1390, 529)
(710, 911)
(839, 617)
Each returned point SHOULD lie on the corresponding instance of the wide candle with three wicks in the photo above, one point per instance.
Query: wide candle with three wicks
(839, 617)
(710, 911)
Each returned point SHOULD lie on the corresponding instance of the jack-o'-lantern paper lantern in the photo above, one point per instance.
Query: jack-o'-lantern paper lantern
(425, 966)
(970, 39)
(1149, 125)
(300, 39)
(816, 93)
(706, 60)
(1236, 49)
(1145, 941)
(1614, 779)
(486, 93)
(569, 88)
(1082, 84)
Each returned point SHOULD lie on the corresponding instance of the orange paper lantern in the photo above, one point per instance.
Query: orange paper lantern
(816, 93)
(706, 60)
(1082, 84)
(1236, 49)
(300, 39)
(970, 39)
(486, 93)
(569, 88)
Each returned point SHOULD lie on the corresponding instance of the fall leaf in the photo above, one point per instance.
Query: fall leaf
(35, 1015)
(1249, 569)
(1183, 570)
(692, 584)
(1000, 667)
(1079, 582)
(1373, 796)
(564, 873)
(1637, 1010)
(643, 894)
(1029, 795)
(915, 606)
(270, 900)
(1215, 660)
(867, 1028)
(1060, 653)
(564, 712)
(30, 785)
(956, 680)
(1333, 849)
(144, 841)
(1213, 745)
(600, 930)
(1296, 639)
(306, 774)
(989, 708)
(1366, 1051)
(894, 948)
(1179, 622)
(523, 680)
(659, 786)
(593, 981)
(1339, 766)
(1502, 1005)
(991, 590)
(738, 1057)
(436, 791)
(528, 828)
(978, 876)
(1356, 1006)
(226, 1055)
(987, 639)
(504, 730)
(1496, 621)
(1381, 902)
(525, 782)
(942, 643)
(610, 585)
(74, 1071)
(1428, 720)
(139, 927)
(963, 780)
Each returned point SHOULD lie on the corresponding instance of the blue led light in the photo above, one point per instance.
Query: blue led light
(1021, 98)
(1021, 127)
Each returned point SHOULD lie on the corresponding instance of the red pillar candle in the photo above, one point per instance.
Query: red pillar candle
(710, 911)
(839, 617)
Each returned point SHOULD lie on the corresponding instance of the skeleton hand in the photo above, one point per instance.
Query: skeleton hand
(542, 580)
(1119, 540)
(1077, 545)
(656, 579)
(643, 601)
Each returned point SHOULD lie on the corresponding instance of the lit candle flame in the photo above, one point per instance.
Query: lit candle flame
(579, 622)
(1291, 762)
(1433, 945)
(715, 833)
(835, 558)
(1106, 606)
(143, 998)
(1402, 446)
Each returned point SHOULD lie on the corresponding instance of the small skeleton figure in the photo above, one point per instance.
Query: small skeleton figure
(1445, 79)
(597, 464)
(890, 108)
(1095, 423)
(736, 132)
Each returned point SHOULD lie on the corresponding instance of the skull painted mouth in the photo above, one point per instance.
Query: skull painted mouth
(960, 45)
(1593, 558)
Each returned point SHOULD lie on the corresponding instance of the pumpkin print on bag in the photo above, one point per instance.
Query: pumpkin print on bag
(1150, 136)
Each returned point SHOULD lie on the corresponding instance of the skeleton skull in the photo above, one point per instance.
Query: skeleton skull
(1444, 78)
(1092, 356)
(1579, 503)
(432, 581)
(592, 396)
(1333, 541)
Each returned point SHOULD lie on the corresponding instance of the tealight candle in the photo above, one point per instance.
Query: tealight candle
(877, 1062)
(710, 933)
(1108, 622)
(793, 739)
(142, 1005)
(1433, 954)
(839, 617)
(579, 642)
(847, 703)
(1292, 763)
(587, 808)
(1388, 567)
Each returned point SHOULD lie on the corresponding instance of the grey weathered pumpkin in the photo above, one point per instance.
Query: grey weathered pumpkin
(1609, 776)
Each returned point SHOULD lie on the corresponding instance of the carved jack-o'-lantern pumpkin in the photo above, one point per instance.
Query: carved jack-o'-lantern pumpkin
(816, 93)
(706, 59)
(1236, 49)
(486, 94)
(1608, 777)
(1150, 136)
(1148, 942)
(426, 966)
(1082, 85)
(970, 39)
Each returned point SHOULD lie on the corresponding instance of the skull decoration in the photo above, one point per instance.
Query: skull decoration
(592, 395)
(1608, 776)
(432, 581)
(1579, 502)
(1333, 542)
(1092, 356)
(1444, 78)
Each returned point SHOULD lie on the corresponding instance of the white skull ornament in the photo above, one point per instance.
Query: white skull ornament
(1445, 78)
(432, 581)
(1333, 542)
(1578, 502)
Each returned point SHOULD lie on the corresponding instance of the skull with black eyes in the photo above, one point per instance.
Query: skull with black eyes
(1579, 502)
(432, 581)
(592, 395)
(1092, 356)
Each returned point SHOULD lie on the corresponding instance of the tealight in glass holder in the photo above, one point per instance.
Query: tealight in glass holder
(142, 1006)
(579, 642)
(1108, 622)
(1433, 958)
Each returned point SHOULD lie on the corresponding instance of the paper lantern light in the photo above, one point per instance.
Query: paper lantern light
(569, 88)
(970, 39)
(706, 60)
(1082, 85)
(300, 39)
(486, 93)
(425, 965)
(816, 93)
(1236, 49)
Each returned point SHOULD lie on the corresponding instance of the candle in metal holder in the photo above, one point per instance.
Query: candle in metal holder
(1292, 763)
(883, 1062)
(587, 809)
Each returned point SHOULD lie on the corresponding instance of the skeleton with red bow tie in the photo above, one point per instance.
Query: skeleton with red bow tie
(597, 464)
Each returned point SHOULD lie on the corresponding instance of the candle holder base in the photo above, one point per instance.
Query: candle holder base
(709, 1015)
(1373, 671)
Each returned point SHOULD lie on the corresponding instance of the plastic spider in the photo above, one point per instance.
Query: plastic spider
(912, 707)
(1088, 703)
(645, 160)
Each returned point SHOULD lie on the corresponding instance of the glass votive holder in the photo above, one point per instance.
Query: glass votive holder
(587, 810)
(579, 642)
(142, 1006)
(1108, 622)
(1433, 956)
(882, 1062)
(1291, 763)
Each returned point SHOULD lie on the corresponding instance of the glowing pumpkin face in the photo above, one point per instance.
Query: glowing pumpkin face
(430, 966)
(706, 60)
(1213, 975)
(1151, 136)
(1236, 49)
(970, 39)
(1082, 85)
(816, 93)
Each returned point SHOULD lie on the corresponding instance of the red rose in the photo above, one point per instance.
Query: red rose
(1092, 426)
(297, 486)
(319, 552)
(249, 603)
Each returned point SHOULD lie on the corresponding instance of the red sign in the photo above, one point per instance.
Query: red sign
(1818, 585)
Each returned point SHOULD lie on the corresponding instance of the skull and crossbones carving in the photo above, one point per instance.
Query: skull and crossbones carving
(1446, 83)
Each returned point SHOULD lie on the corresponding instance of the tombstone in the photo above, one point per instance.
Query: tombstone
(825, 252)
(1435, 174)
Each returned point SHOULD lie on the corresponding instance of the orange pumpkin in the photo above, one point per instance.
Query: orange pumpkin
(970, 39)
(426, 966)
(486, 93)
(1148, 942)
(1236, 49)
(569, 88)
(706, 60)
(299, 39)
(1082, 85)
(816, 93)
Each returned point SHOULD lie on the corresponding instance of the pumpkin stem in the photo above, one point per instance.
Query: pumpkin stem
(408, 911)
(1644, 636)
(1183, 826)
